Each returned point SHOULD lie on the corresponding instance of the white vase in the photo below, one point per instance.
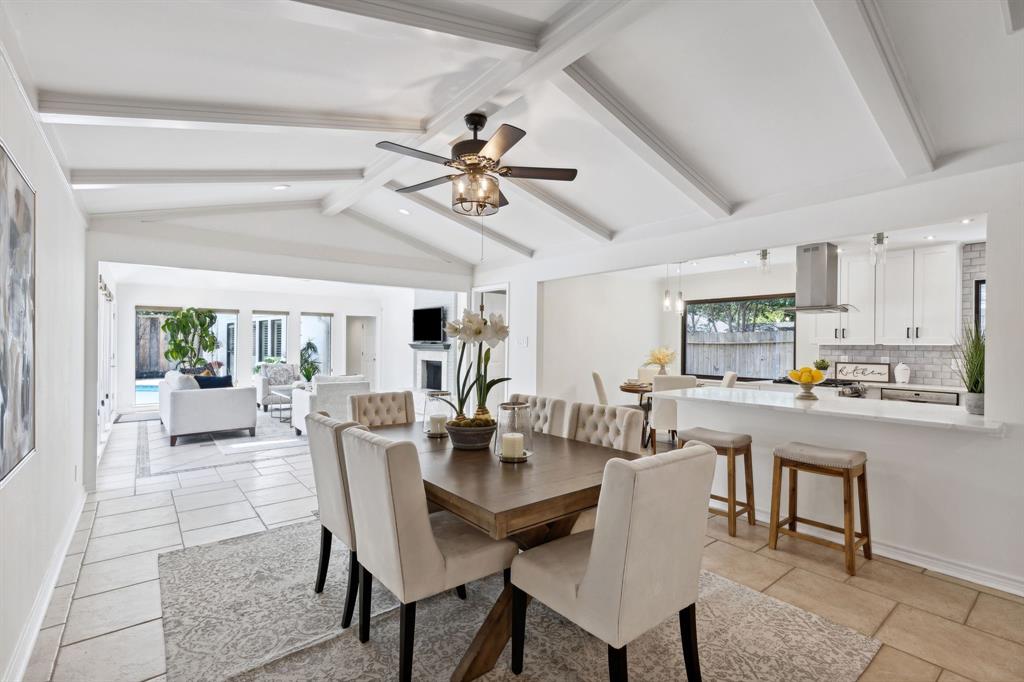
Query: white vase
(974, 403)
(901, 374)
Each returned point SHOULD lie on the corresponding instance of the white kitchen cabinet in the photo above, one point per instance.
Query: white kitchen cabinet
(918, 297)
(857, 288)
(936, 295)
(825, 325)
(894, 317)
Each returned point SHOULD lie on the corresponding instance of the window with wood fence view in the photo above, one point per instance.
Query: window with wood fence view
(753, 337)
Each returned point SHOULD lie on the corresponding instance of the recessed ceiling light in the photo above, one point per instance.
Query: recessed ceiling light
(930, 237)
(281, 187)
(403, 211)
(967, 221)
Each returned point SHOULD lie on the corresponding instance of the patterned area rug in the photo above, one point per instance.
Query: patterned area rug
(215, 630)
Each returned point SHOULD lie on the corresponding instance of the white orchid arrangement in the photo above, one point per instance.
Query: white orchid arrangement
(474, 328)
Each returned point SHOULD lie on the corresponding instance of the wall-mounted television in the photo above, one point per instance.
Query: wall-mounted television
(428, 325)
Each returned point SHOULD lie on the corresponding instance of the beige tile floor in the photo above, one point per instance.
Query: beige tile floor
(104, 620)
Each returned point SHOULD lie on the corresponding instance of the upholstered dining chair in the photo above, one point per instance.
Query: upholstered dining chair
(332, 496)
(602, 394)
(663, 412)
(414, 554)
(382, 409)
(728, 379)
(613, 427)
(651, 520)
(547, 414)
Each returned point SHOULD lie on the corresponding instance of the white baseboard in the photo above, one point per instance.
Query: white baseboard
(982, 576)
(30, 630)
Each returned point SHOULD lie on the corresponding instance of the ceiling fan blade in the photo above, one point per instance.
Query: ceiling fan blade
(502, 140)
(429, 183)
(415, 153)
(502, 201)
(533, 173)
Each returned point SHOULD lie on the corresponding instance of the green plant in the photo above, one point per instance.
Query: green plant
(309, 360)
(189, 335)
(822, 364)
(970, 360)
(474, 328)
(269, 360)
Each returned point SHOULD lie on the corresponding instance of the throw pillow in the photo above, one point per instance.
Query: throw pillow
(279, 375)
(184, 382)
(214, 382)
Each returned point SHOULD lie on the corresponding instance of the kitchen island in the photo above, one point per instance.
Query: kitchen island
(935, 472)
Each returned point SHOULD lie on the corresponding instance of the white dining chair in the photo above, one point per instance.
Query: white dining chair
(619, 428)
(728, 379)
(332, 497)
(602, 394)
(547, 414)
(638, 567)
(413, 554)
(664, 412)
(382, 409)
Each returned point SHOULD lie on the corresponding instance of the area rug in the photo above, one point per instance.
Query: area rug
(245, 608)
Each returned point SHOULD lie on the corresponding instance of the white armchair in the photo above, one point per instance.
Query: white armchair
(272, 377)
(638, 566)
(663, 412)
(327, 395)
(191, 411)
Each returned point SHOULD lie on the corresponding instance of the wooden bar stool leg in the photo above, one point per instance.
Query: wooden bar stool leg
(851, 556)
(731, 455)
(773, 518)
(792, 498)
(865, 522)
(748, 472)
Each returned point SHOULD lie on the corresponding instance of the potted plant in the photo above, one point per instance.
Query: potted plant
(189, 335)
(662, 357)
(309, 360)
(970, 365)
(474, 331)
(822, 365)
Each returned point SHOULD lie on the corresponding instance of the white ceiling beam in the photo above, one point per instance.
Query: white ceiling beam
(68, 109)
(448, 214)
(611, 112)
(150, 215)
(864, 45)
(1013, 15)
(559, 209)
(395, 233)
(421, 15)
(97, 176)
(579, 31)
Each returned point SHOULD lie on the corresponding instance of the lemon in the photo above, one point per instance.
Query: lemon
(817, 375)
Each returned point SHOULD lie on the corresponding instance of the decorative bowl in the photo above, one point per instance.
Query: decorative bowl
(471, 437)
(800, 376)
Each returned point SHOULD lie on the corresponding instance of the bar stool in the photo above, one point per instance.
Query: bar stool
(817, 459)
(730, 445)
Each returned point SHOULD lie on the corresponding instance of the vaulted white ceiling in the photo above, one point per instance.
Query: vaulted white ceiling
(672, 111)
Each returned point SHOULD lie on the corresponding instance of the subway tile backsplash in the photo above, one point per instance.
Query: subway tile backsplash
(931, 365)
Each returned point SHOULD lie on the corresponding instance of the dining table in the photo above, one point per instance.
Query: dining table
(530, 503)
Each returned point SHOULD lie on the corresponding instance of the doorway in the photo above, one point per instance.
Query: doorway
(361, 347)
(495, 301)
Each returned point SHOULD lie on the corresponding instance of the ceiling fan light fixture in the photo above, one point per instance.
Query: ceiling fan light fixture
(476, 194)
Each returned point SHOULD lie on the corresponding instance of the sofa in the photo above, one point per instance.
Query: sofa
(326, 394)
(186, 409)
(274, 376)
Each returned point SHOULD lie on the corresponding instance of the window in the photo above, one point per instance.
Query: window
(315, 337)
(269, 336)
(979, 305)
(150, 344)
(751, 336)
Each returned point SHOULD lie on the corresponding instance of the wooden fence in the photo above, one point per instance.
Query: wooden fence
(766, 354)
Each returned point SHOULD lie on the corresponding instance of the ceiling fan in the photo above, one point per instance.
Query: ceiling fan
(475, 190)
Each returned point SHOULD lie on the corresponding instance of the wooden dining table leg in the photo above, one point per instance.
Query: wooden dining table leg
(496, 630)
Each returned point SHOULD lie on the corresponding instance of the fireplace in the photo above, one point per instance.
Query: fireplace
(430, 377)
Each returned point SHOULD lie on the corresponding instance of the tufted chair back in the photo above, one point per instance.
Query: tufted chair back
(330, 475)
(382, 409)
(548, 414)
(728, 379)
(613, 427)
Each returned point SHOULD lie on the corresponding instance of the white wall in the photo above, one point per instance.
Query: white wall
(392, 308)
(41, 499)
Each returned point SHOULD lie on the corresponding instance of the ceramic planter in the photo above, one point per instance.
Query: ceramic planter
(471, 437)
(974, 403)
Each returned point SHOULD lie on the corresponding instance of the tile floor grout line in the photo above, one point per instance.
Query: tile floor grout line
(767, 587)
(884, 620)
(115, 589)
(113, 558)
(132, 530)
(967, 617)
(133, 625)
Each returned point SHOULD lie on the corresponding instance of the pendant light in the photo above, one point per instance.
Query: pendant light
(878, 244)
(666, 301)
(764, 261)
(680, 303)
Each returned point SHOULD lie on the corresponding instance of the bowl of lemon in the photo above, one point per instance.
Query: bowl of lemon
(808, 378)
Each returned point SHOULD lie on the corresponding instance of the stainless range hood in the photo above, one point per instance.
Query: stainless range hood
(817, 280)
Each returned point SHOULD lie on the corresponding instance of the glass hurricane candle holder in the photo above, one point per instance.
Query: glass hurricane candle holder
(514, 442)
(436, 413)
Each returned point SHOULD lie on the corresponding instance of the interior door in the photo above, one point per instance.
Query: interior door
(857, 287)
(894, 313)
(936, 293)
(361, 347)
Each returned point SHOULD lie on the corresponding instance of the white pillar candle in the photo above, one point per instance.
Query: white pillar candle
(512, 445)
(437, 422)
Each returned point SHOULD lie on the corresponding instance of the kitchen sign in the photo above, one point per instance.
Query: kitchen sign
(869, 372)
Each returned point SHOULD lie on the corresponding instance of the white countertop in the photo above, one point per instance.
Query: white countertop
(897, 412)
(872, 384)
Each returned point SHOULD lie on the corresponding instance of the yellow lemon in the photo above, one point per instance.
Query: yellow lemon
(794, 375)
(805, 377)
(817, 375)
